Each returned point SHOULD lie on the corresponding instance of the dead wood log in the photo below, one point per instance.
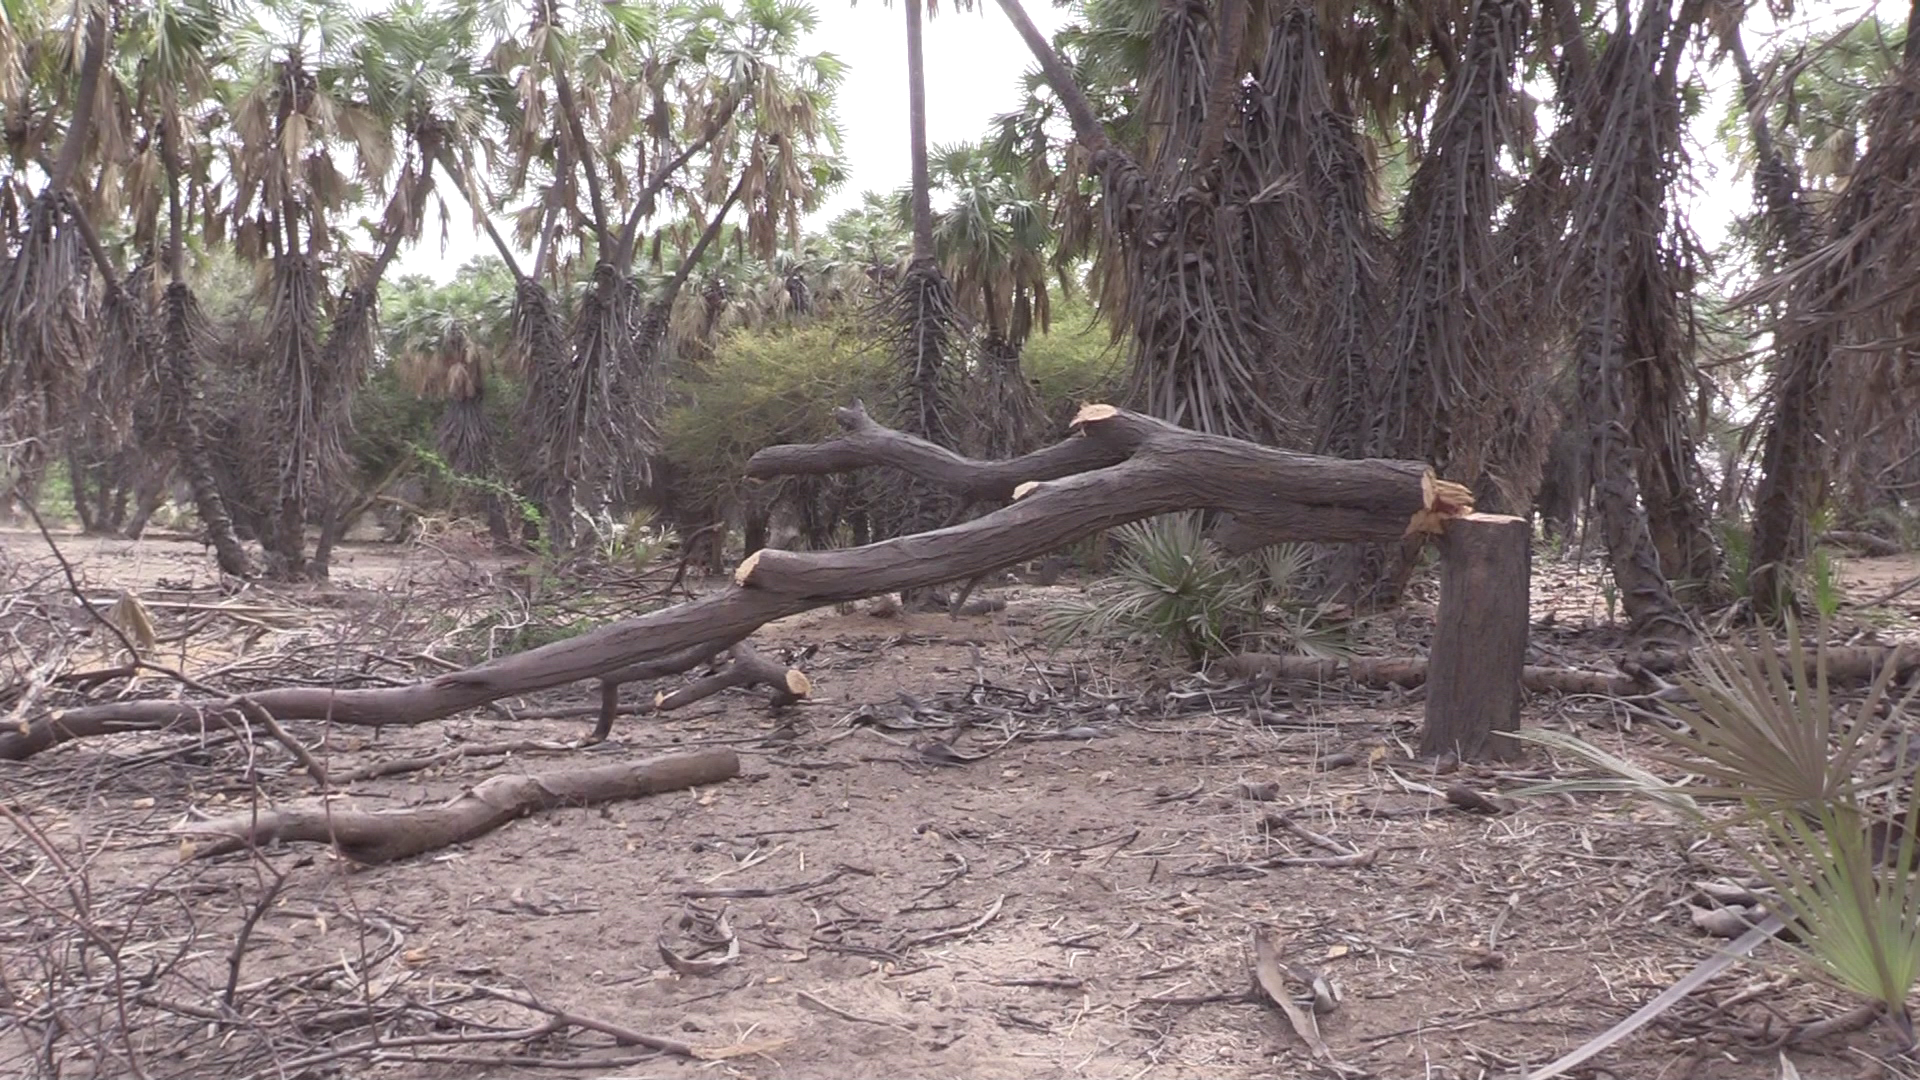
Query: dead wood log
(1479, 637)
(744, 668)
(388, 835)
(868, 444)
(1845, 664)
(1162, 469)
(1864, 542)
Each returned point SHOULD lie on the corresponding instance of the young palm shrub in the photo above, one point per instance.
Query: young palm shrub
(1177, 593)
(1819, 814)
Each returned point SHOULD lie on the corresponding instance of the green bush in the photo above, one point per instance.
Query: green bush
(763, 387)
(1077, 361)
(1175, 592)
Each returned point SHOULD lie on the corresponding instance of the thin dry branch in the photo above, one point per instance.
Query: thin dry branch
(1637, 678)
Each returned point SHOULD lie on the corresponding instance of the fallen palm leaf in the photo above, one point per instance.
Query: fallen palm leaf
(723, 930)
(131, 617)
(1668, 998)
(1266, 971)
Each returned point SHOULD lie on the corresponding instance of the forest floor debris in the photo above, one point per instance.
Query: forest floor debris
(962, 856)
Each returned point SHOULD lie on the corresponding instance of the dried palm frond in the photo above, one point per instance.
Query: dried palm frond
(184, 343)
(924, 323)
(1323, 253)
(1006, 412)
(121, 396)
(45, 315)
(307, 437)
(1629, 275)
(539, 350)
(603, 329)
(1448, 372)
(463, 436)
(923, 327)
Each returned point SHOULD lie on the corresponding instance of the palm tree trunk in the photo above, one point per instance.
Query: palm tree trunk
(1086, 123)
(92, 61)
(1228, 43)
(77, 488)
(643, 203)
(451, 165)
(917, 137)
(1790, 448)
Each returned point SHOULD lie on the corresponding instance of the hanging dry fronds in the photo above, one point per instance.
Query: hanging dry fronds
(1448, 372)
(1852, 306)
(539, 350)
(1629, 273)
(184, 345)
(45, 316)
(306, 436)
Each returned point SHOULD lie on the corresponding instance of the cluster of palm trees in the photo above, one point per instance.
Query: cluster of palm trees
(990, 239)
(311, 140)
(1358, 228)
(1451, 230)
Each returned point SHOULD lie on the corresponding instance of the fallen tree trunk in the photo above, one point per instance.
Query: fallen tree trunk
(1849, 664)
(1161, 469)
(388, 835)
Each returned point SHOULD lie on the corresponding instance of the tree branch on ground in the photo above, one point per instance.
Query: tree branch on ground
(385, 836)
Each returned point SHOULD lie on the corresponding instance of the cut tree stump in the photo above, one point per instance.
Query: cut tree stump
(1479, 637)
(380, 837)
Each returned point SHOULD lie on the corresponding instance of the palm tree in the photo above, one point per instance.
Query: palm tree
(870, 239)
(176, 46)
(993, 240)
(297, 141)
(444, 340)
(921, 312)
(1843, 304)
(45, 342)
(721, 112)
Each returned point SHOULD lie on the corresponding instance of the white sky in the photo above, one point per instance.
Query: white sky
(974, 65)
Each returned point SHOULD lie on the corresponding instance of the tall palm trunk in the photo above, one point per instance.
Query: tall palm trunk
(344, 361)
(179, 381)
(917, 136)
(923, 309)
(922, 315)
(1626, 271)
(1798, 391)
